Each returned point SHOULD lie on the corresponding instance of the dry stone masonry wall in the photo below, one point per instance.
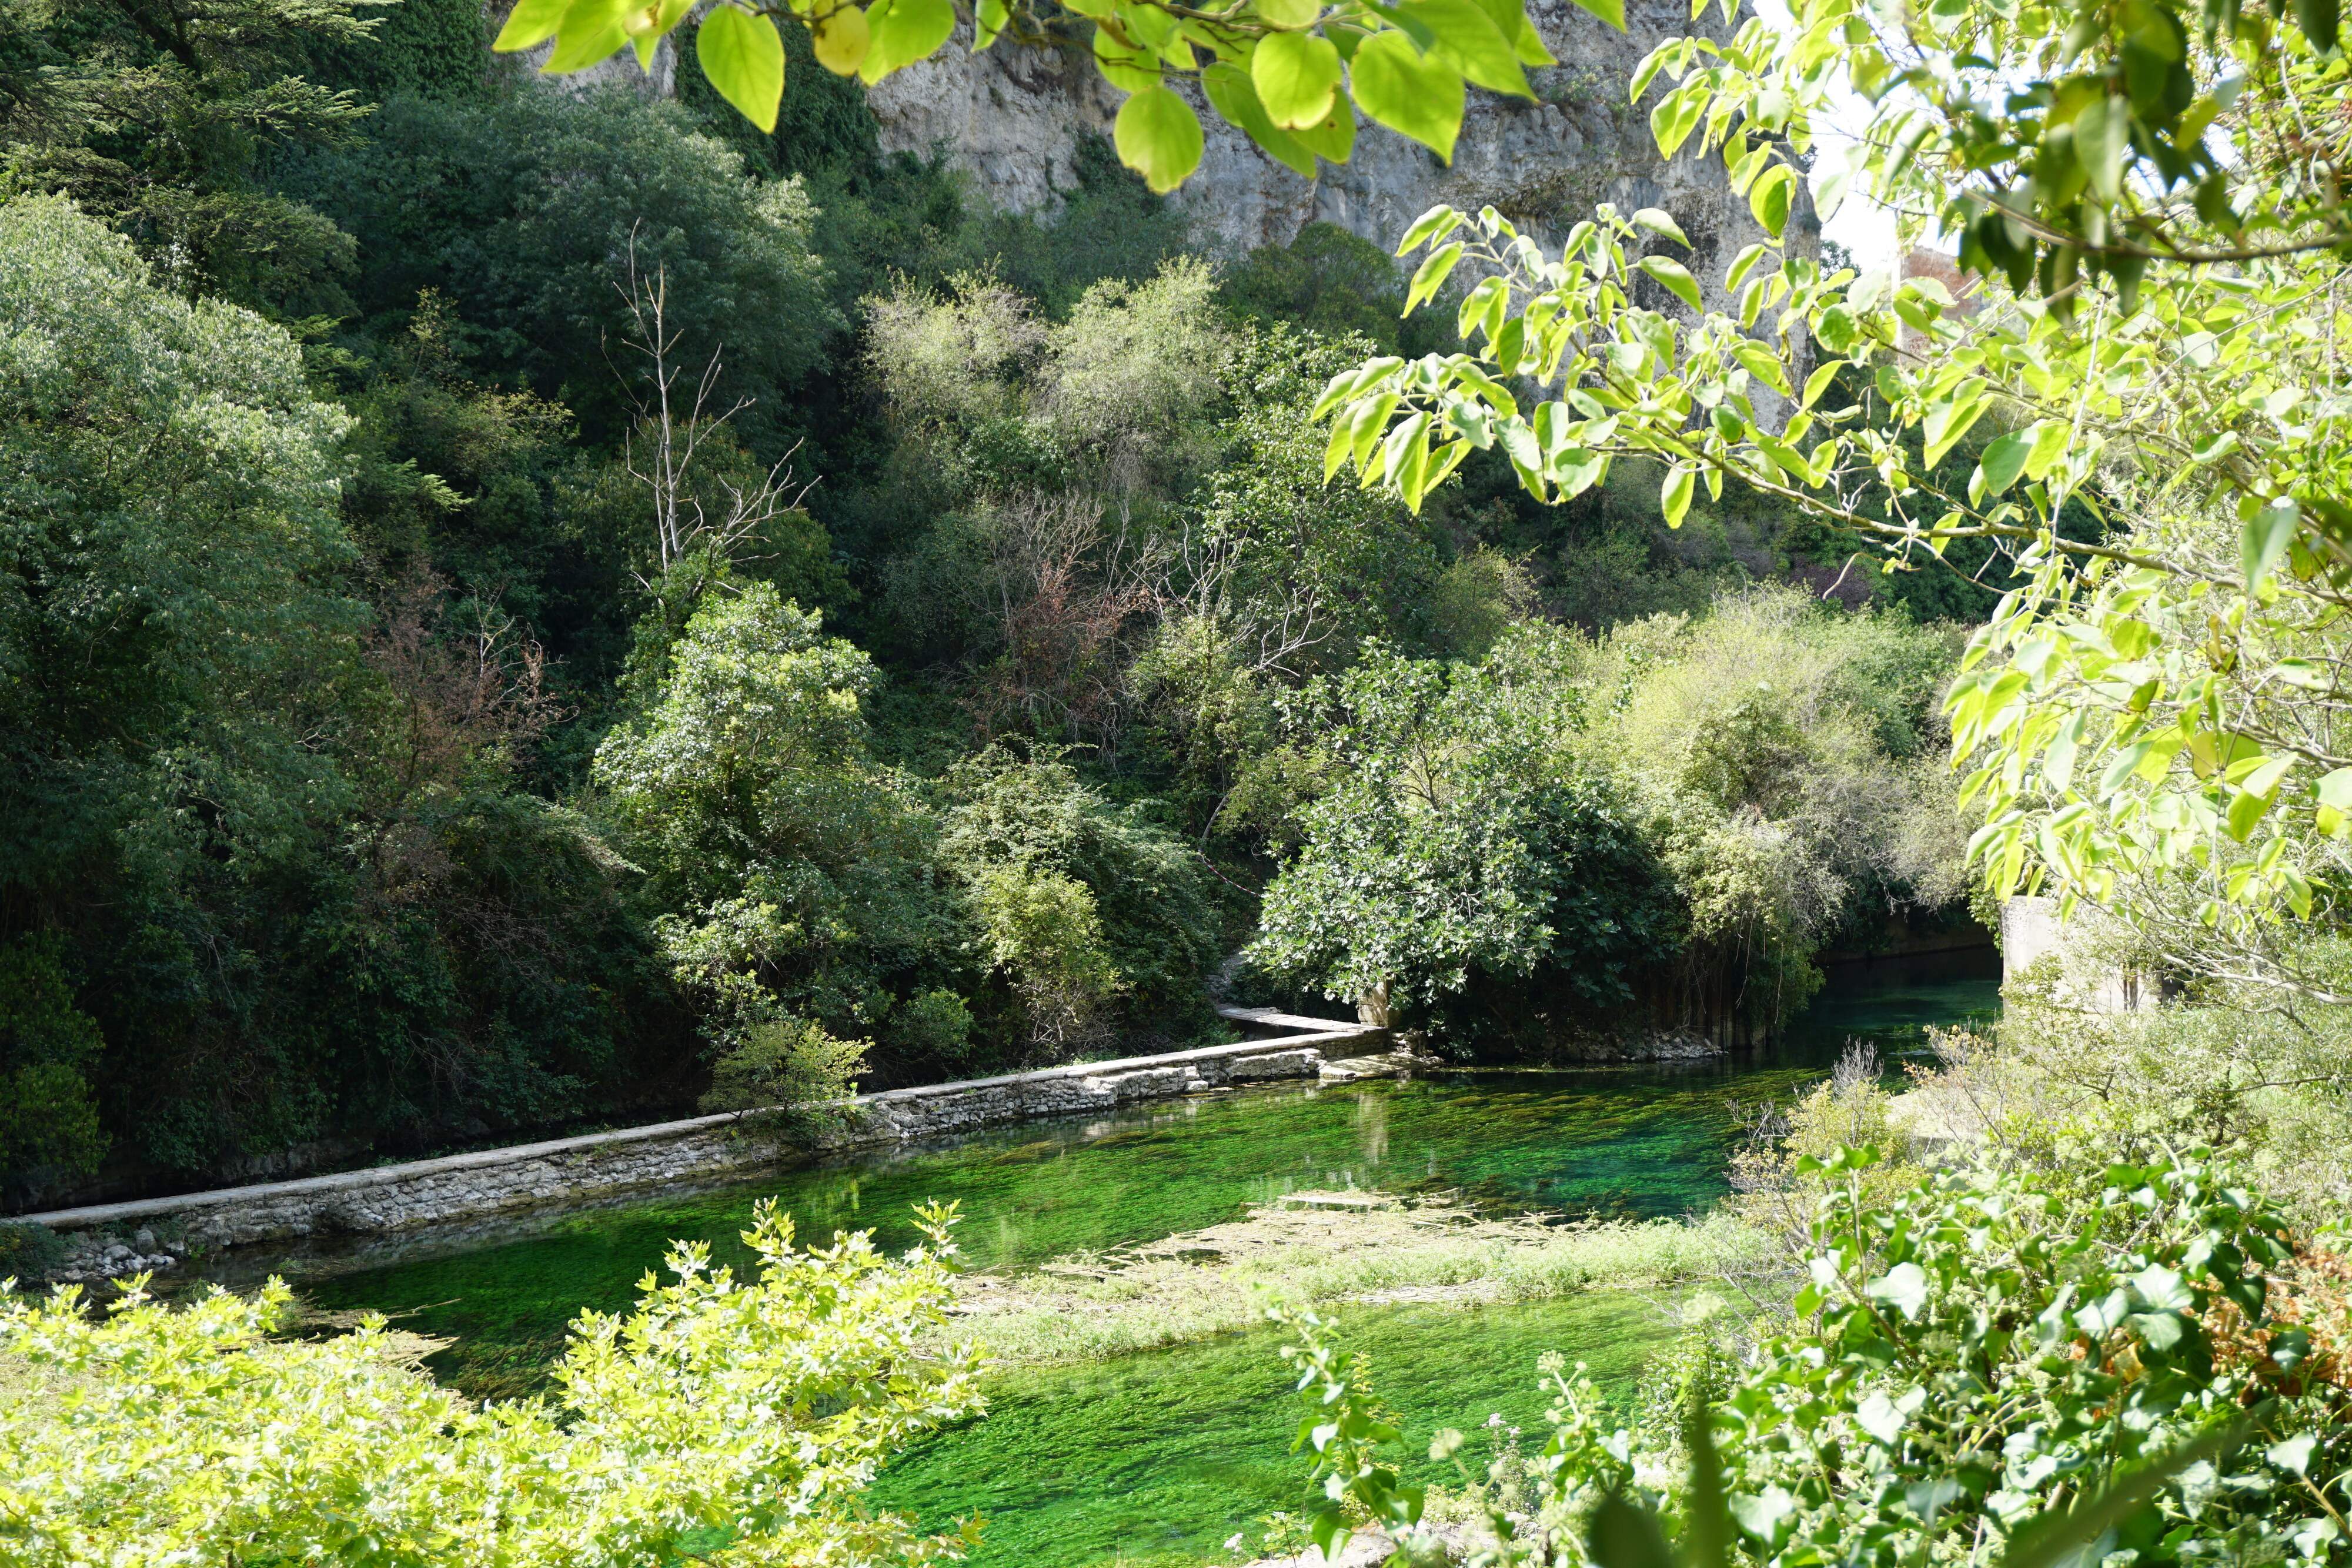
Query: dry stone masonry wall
(117, 1240)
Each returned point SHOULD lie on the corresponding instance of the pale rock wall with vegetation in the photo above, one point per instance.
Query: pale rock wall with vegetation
(1014, 119)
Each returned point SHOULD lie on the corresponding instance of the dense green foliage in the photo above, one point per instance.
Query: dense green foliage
(2163, 234)
(436, 698)
(428, 719)
(261, 827)
(1577, 840)
(1989, 1362)
(512, 210)
(156, 114)
(743, 1416)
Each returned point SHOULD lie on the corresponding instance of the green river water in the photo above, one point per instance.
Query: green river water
(1159, 1457)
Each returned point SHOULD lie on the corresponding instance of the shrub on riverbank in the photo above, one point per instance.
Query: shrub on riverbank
(743, 1418)
(2154, 1354)
(1649, 832)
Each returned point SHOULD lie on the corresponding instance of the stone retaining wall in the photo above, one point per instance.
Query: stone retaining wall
(113, 1239)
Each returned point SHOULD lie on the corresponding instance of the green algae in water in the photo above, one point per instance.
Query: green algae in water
(1637, 1145)
(1645, 1145)
(1159, 1456)
(1156, 1458)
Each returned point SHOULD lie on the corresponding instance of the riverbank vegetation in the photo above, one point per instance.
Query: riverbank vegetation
(743, 1416)
(2082, 1293)
(1663, 824)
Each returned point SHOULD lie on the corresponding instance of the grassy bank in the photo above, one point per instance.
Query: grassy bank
(1207, 1283)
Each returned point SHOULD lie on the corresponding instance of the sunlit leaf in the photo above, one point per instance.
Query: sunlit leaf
(1295, 75)
(1158, 137)
(1231, 94)
(2264, 539)
(1675, 495)
(841, 40)
(1431, 274)
(590, 33)
(1432, 225)
(902, 32)
(1903, 1287)
(531, 23)
(1412, 95)
(1675, 276)
(1468, 39)
(743, 58)
(1659, 222)
(1768, 199)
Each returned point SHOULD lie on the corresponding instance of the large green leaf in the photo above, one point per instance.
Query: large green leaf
(1126, 67)
(2002, 462)
(531, 23)
(1431, 274)
(1675, 276)
(744, 61)
(1768, 199)
(1411, 95)
(1158, 137)
(1433, 224)
(1468, 39)
(1232, 97)
(2318, 19)
(1676, 116)
(2050, 441)
(902, 32)
(1295, 75)
(1903, 1287)
(2102, 135)
(1658, 221)
(1576, 470)
(591, 32)
(2264, 539)
(646, 26)
(1951, 419)
(1623, 1536)
(1675, 495)
(1529, 45)
(1334, 135)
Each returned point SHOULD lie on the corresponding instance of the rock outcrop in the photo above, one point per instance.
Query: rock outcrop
(1014, 119)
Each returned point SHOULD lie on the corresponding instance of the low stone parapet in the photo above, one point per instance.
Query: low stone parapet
(114, 1239)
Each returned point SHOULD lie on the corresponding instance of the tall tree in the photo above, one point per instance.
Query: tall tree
(2154, 202)
(154, 114)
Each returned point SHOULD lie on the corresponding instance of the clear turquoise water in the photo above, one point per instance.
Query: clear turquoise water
(1161, 1455)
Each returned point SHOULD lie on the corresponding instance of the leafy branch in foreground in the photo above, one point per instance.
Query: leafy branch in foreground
(742, 1418)
(2155, 712)
(1291, 74)
(1994, 1366)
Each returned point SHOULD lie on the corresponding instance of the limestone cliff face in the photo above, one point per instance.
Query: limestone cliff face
(1013, 118)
